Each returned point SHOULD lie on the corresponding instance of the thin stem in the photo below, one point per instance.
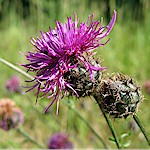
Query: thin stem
(137, 120)
(110, 125)
(111, 128)
(88, 125)
(16, 68)
(27, 136)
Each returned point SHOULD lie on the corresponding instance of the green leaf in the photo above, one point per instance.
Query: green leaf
(127, 144)
(112, 139)
(124, 135)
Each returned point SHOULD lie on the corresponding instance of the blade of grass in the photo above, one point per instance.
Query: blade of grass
(27, 136)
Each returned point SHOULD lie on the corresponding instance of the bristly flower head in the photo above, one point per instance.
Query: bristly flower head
(119, 95)
(10, 115)
(62, 49)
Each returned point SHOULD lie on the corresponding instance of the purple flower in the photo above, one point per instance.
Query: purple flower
(62, 49)
(13, 84)
(59, 141)
(10, 115)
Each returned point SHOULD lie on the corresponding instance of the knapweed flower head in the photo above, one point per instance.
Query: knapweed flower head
(62, 49)
(119, 95)
(59, 141)
(13, 84)
(80, 80)
(10, 115)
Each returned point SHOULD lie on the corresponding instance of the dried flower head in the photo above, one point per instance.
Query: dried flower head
(59, 141)
(60, 50)
(119, 95)
(80, 80)
(13, 84)
(10, 115)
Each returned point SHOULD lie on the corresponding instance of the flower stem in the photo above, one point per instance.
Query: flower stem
(110, 125)
(137, 120)
(111, 128)
(88, 125)
(27, 136)
(16, 68)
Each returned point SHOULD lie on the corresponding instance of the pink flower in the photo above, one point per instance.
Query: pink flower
(59, 141)
(13, 84)
(10, 115)
(62, 49)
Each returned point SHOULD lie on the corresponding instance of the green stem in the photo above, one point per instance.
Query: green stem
(111, 128)
(26, 135)
(16, 68)
(137, 120)
(110, 125)
(88, 125)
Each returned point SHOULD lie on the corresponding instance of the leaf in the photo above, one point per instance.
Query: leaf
(124, 135)
(127, 144)
(112, 139)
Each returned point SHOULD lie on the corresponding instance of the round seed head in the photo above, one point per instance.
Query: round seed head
(119, 96)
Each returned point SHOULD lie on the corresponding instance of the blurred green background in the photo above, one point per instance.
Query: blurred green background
(128, 51)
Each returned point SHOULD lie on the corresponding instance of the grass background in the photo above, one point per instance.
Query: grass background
(128, 51)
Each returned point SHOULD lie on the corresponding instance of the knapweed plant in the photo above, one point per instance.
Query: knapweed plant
(63, 50)
(64, 65)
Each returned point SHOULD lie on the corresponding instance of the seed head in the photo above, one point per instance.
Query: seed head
(119, 95)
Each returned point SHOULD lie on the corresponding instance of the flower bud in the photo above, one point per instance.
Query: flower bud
(80, 79)
(119, 95)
